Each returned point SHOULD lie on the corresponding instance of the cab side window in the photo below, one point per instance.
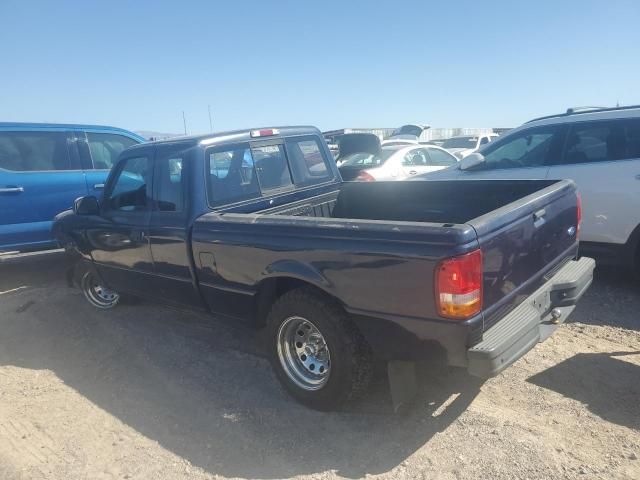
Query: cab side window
(106, 147)
(132, 186)
(533, 147)
(168, 191)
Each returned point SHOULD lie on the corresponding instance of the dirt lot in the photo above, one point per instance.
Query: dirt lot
(146, 392)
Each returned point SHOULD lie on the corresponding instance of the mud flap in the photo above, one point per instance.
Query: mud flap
(403, 383)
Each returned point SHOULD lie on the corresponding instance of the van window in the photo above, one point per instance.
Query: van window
(308, 163)
(232, 175)
(34, 151)
(272, 167)
(603, 141)
(105, 148)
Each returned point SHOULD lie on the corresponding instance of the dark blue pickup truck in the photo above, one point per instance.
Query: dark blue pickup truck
(257, 226)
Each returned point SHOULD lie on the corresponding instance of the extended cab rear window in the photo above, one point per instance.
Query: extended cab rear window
(244, 171)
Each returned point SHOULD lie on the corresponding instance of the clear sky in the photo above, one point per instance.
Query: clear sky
(333, 64)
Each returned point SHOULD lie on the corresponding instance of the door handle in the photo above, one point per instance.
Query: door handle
(12, 190)
(638, 177)
(412, 172)
(99, 186)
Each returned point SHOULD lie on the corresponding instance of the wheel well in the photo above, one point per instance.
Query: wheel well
(273, 288)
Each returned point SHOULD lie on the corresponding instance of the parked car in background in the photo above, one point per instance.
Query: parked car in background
(406, 135)
(367, 160)
(340, 275)
(464, 145)
(599, 149)
(44, 168)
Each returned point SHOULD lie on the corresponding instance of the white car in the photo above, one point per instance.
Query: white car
(395, 162)
(467, 144)
(599, 149)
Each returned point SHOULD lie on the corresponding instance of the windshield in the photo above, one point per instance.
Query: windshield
(461, 142)
(368, 160)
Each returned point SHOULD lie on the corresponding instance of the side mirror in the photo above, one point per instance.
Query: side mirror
(471, 161)
(86, 206)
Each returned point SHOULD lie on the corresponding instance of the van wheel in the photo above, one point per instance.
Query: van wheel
(319, 356)
(98, 295)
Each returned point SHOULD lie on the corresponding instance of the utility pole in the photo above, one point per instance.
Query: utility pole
(210, 122)
(184, 121)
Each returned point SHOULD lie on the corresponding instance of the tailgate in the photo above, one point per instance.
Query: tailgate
(523, 244)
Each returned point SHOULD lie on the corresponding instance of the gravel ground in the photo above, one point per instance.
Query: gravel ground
(148, 392)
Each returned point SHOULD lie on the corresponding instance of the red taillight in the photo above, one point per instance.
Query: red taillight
(578, 214)
(365, 177)
(459, 286)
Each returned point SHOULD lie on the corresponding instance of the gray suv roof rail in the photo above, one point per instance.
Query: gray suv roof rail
(582, 110)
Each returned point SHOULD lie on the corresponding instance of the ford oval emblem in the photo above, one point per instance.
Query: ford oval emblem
(571, 231)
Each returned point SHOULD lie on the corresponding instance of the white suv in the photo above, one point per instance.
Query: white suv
(597, 148)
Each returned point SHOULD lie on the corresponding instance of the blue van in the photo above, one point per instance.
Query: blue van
(44, 168)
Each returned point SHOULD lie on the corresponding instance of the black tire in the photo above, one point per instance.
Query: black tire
(350, 356)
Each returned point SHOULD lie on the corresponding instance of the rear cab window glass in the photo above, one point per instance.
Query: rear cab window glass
(309, 164)
(603, 141)
(106, 147)
(131, 187)
(272, 167)
(231, 174)
(32, 151)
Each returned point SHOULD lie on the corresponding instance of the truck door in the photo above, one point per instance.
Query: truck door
(119, 237)
(169, 231)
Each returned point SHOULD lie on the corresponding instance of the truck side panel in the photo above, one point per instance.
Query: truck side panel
(383, 270)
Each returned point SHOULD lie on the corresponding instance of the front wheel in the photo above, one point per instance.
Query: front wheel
(319, 356)
(97, 294)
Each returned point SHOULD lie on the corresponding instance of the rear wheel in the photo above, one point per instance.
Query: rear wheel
(319, 356)
(97, 294)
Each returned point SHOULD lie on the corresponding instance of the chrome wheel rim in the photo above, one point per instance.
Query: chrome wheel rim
(303, 353)
(99, 294)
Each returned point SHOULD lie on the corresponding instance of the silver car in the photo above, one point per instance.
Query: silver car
(394, 162)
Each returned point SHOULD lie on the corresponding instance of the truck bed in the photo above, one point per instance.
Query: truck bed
(375, 246)
(446, 202)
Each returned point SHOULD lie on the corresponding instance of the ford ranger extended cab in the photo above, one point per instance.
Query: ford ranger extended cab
(257, 226)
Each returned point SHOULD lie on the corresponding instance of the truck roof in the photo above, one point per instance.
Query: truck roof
(235, 136)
